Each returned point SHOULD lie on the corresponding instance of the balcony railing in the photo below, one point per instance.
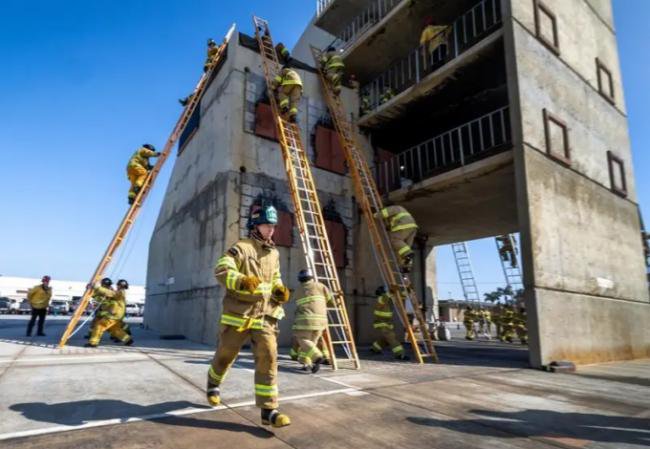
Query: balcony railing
(374, 13)
(462, 145)
(468, 29)
(321, 5)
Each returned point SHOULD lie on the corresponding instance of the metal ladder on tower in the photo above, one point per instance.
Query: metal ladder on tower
(465, 272)
(511, 266)
(371, 204)
(132, 212)
(311, 225)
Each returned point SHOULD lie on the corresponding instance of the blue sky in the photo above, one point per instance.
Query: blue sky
(84, 83)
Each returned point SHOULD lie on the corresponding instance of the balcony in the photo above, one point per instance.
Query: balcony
(423, 69)
(470, 142)
(333, 15)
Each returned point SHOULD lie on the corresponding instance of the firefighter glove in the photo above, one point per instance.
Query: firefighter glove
(250, 283)
(281, 294)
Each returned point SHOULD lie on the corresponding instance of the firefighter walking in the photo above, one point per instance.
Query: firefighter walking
(288, 90)
(110, 312)
(402, 229)
(312, 298)
(138, 169)
(334, 68)
(469, 318)
(252, 307)
(383, 325)
(39, 298)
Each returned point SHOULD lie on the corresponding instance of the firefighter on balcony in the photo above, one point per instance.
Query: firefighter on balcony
(138, 168)
(252, 307)
(312, 299)
(288, 89)
(432, 37)
(112, 307)
(211, 52)
(383, 325)
(402, 228)
(334, 68)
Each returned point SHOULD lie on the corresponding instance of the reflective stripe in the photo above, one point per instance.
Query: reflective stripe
(227, 262)
(308, 299)
(278, 313)
(398, 349)
(397, 217)
(377, 346)
(266, 390)
(382, 325)
(278, 79)
(312, 351)
(284, 102)
(384, 212)
(404, 226)
(216, 378)
(242, 323)
(383, 314)
(231, 279)
(404, 250)
(334, 61)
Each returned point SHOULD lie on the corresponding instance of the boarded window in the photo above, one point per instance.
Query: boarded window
(284, 230)
(557, 138)
(264, 123)
(617, 174)
(329, 153)
(190, 129)
(546, 27)
(605, 81)
(337, 234)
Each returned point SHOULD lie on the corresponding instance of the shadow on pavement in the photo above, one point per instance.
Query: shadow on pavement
(549, 424)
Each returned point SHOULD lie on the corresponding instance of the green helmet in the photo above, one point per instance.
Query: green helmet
(263, 215)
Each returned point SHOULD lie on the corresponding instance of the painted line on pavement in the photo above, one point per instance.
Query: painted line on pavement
(157, 416)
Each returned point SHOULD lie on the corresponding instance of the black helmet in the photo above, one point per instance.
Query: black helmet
(305, 275)
(331, 48)
(381, 290)
(106, 282)
(148, 146)
(211, 42)
(122, 283)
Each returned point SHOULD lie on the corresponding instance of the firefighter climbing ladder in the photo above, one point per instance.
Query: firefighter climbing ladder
(510, 264)
(131, 214)
(465, 272)
(370, 201)
(311, 224)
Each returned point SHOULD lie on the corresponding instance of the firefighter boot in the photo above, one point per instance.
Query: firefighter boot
(274, 418)
(214, 394)
(316, 365)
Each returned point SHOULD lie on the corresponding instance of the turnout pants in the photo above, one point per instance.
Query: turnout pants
(289, 98)
(40, 314)
(265, 352)
(334, 76)
(137, 175)
(308, 345)
(469, 330)
(114, 327)
(387, 339)
(402, 242)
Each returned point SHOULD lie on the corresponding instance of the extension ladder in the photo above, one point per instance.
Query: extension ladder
(131, 214)
(511, 267)
(465, 272)
(311, 225)
(371, 203)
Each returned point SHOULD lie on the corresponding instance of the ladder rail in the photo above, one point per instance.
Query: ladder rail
(132, 213)
(371, 204)
(512, 273)
(470, 289)
(312, 231)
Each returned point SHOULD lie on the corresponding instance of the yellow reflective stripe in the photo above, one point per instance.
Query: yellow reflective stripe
(403, 250)
(384, 212)
(278, 79)
(231, 279)
(244, 323)
(216, 378)
(398, 349)
(227, 262)
(382, 325)
(397, 217)
(377, 346)
(308, 299)
(266, 390)
(312, 351)
(278, 313)
(404, 226)
(384, 314)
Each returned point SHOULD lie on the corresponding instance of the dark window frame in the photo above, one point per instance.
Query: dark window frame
(600, 69)
(612, 161)
(549, 118)
(541, 8)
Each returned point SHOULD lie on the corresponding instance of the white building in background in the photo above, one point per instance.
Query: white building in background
(17, 287)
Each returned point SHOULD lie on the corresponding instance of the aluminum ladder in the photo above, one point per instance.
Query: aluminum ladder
(465, 272)
(512, 266)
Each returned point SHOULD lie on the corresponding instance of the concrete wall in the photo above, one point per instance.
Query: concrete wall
(586, 290)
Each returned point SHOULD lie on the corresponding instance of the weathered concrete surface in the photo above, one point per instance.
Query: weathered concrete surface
(480, 396)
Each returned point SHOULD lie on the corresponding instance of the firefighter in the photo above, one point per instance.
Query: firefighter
(432, 36)
(138, 168)
(332, 64)
(481, 321)
(469, 319)
(507, 251)
(386, 95)
(211, 52)
(185, 101)
(507, 324)
(288, 89)
(520, 325)
(402, 229)
(252, 307)
(646, 247)
(39, 298)
(283, 53)
(383, 324)
(497, 311)
(322, 347)
(112, 306)
(365, 105)
(312, 299)
(488, 322)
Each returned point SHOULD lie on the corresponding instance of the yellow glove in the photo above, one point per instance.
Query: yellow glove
(250, 283)
(281, 294)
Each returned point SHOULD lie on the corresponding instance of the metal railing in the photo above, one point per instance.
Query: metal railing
(457, 147)
(468, 29)
(373, 14)
(321, 5)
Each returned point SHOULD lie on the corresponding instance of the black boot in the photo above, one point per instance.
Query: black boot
(316, 366)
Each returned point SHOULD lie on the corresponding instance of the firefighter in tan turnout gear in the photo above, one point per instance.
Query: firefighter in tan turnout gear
(402, 230)
(310, 322)
(288, 89)
(112, 307)
(138, 168)
(334, 68)
(252, 307)
(383, 324)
